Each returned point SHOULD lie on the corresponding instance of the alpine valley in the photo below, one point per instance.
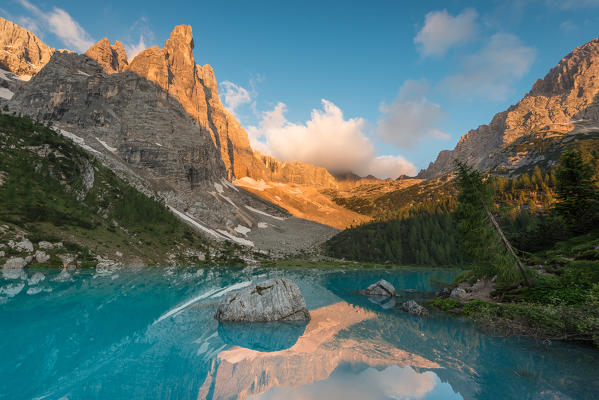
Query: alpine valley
(134, 164)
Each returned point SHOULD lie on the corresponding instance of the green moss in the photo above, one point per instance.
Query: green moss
(446, 304)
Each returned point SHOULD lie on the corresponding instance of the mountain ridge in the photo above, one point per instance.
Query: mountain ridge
(555, 105)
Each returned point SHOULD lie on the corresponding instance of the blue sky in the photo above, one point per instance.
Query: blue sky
(400, 79)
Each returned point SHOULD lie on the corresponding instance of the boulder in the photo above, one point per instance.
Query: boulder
(413, 308)
(25, 245)
(459, 293)
(41, 256)
(381, 288)
(45, 245)
(2, 253)
(276, 299)
(13, 268)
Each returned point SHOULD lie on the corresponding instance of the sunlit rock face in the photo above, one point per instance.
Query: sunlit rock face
(173, 68)
(240, 372)
(112, 58)
(564, 101)
(21, 52)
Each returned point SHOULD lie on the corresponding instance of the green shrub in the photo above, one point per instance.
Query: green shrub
(446, 304)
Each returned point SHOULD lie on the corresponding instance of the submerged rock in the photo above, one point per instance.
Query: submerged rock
(273, 300)
(385, 302)
(413, 308)
(262, 336)
(381, 288)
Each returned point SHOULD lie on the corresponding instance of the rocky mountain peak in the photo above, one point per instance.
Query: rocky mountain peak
(568, 95)
(181, 40)
(112, 59)
(571, 72)
(21, 52)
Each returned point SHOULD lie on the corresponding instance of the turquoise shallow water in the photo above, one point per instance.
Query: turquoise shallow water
(149, 334)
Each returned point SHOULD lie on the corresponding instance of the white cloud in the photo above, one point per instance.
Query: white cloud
(491, 73)
(327, 140)
(411, 117)
(234, 96)
(393, 382)
(59, 22)
(134, 49)
(441, 31)
(140, 28)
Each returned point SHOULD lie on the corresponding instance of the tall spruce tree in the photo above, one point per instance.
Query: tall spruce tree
(481, 237)
(576, 192)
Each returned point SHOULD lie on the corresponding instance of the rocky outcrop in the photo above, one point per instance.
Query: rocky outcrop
(173, 68)
(13, 267)
(112, 59)
(381, 288)
(413, 308)
(273, 300)
(291, 172)
(21, 52)
(565, 101)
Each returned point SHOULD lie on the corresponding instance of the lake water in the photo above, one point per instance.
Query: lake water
(149, 333)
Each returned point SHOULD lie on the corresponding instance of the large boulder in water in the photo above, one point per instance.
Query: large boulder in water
(273, 300)
(381, 288)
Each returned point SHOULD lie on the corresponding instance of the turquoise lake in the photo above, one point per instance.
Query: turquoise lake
(149, 333)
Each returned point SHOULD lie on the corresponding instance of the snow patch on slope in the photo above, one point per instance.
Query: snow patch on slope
(244, 230)
(6, 94)
(265, 214)
(103, 143)
(236, 239)
(76, 139)
(194, 222)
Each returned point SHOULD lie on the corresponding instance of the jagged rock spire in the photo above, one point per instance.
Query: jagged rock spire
(112, 59)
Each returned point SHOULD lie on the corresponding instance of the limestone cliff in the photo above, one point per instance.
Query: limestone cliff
(173, 68)
(111, 58)
(21, 52)
(143, 133)
(564, 102)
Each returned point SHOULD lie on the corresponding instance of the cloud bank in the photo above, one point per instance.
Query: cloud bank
(441, 31)
(59, 22)
(411, 118)
(327, 140)
(492, 71)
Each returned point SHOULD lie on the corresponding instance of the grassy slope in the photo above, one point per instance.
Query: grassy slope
(43, 196)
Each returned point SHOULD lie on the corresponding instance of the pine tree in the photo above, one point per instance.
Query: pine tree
(576, 192)
(481, 237)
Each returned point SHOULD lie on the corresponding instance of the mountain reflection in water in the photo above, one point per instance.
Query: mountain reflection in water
(150, 333)
(317, 353)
